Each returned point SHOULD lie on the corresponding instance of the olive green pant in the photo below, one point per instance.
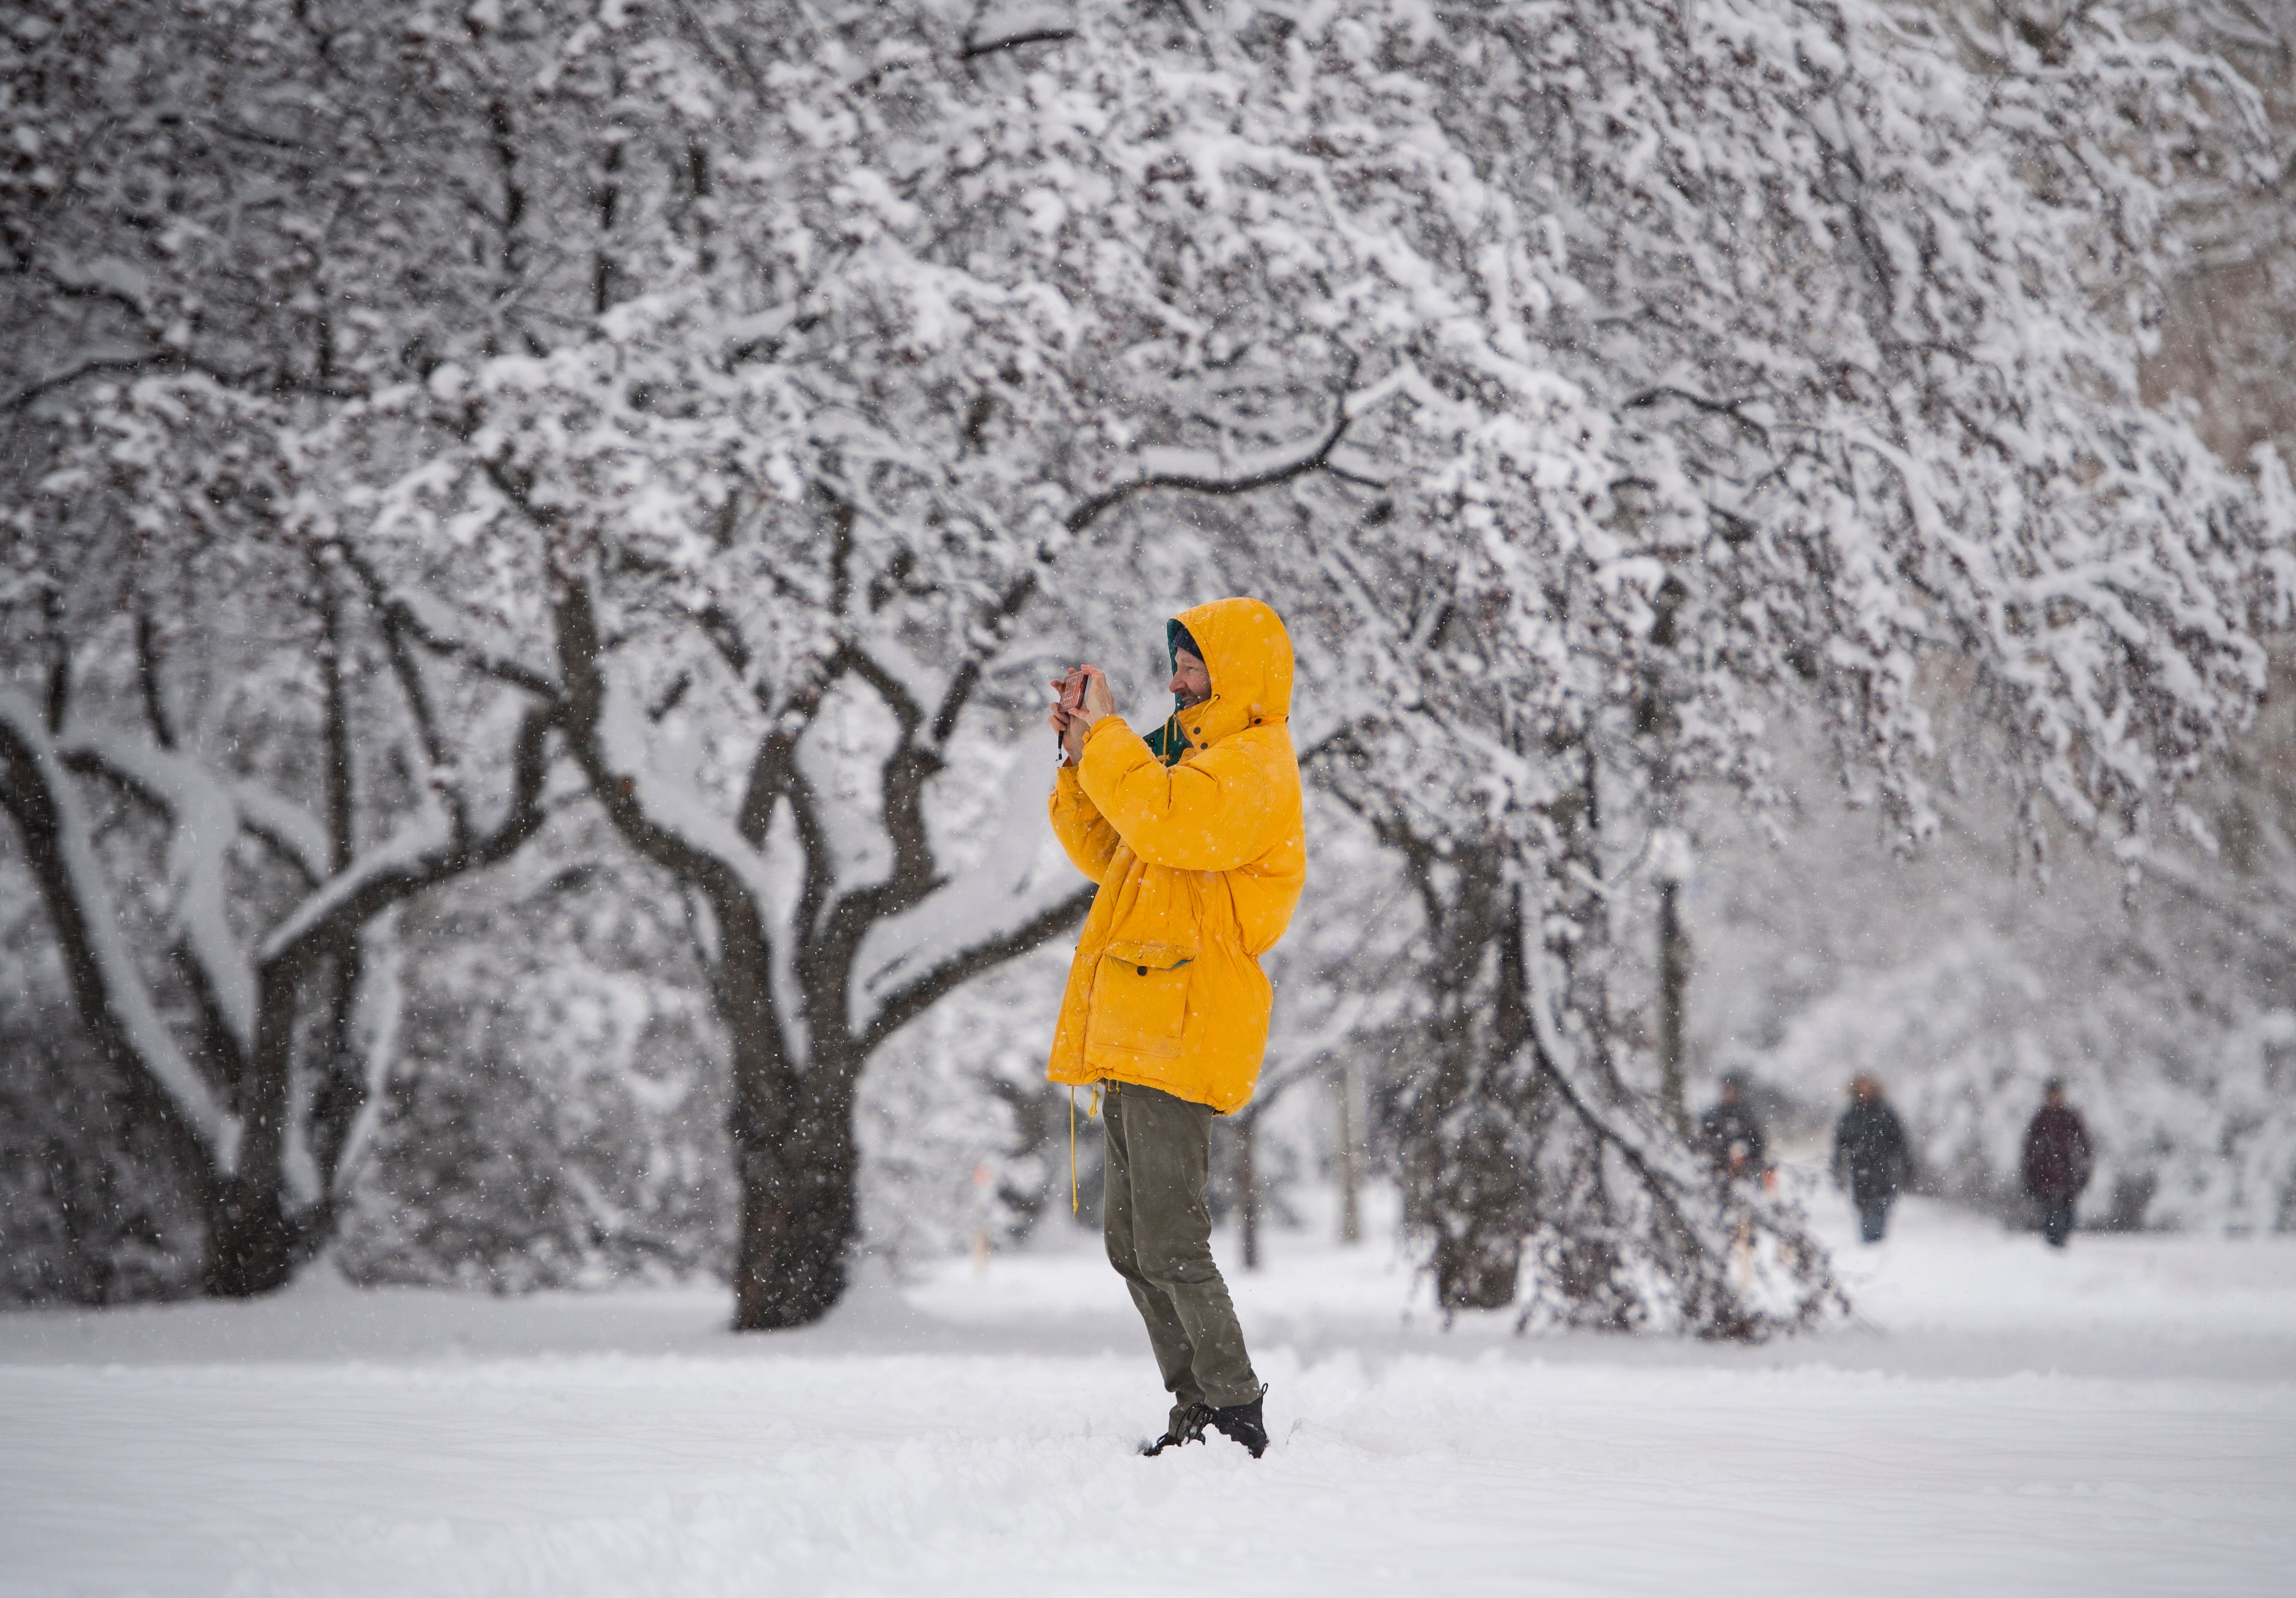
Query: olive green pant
(1160, 1239)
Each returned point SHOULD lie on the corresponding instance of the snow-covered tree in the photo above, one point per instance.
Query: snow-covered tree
(765, 513)
(1779, 353)
(2159, 997)
(225, 771)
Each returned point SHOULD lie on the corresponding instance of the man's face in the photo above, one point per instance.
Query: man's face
(2056, 1098)
(1190, 680)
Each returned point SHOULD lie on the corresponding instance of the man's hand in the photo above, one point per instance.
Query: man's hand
(1080, 699)
(1098, 701)
(1062, 722)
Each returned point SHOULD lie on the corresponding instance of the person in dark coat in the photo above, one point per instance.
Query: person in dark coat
(1732, 1133)
(2057, 1162)
(1869, 1156)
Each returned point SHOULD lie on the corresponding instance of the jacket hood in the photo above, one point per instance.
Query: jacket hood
(1249, 654)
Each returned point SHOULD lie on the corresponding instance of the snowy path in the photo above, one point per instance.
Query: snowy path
(2118, 1421)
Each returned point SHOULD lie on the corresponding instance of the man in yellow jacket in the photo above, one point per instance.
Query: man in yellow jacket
(1196, 838)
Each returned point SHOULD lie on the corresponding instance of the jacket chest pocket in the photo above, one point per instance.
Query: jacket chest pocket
(1140, 997)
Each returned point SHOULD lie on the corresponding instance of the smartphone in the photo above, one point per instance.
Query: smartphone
(1072, 701)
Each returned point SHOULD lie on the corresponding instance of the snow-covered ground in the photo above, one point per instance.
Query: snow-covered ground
(2118, 1420)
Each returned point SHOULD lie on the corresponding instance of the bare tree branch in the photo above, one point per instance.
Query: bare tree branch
(398, 609)
(359, 896)
(1092, 508)
(906, 1003)
(1018, 41)
(150, 680)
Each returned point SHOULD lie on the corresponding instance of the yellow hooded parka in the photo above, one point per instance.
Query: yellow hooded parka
(1200, 865)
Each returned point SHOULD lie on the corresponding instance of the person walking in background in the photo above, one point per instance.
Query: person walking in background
(1731, 1133)
(1198, 840)
(1869, 1156)
(2057, 1161)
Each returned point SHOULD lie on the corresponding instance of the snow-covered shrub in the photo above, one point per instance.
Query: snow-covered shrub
(553, 1109)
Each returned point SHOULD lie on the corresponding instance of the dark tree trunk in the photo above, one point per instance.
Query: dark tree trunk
(794, 1150)
(254, 1246)
(252, 1240)
(1348, 1082)
(798, 1216)
(341, 1092)
(1673, 980)
(1482, 1202)
(1469, 1183)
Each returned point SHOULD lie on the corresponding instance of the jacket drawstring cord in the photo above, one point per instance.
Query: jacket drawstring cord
(1090, 1110)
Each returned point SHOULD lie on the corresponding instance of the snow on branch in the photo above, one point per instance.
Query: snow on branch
(37, 789)
(1027, 919)
(381, 1007)
(439, 629)
(424, 851)
(285, 825)
(204, 817)
(1021, 893)
(415, 842)
(668, 807)
(1204, 472)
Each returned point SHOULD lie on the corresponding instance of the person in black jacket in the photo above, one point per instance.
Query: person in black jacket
(1731, 1133)
(1869, 1156)
(2057, 1161)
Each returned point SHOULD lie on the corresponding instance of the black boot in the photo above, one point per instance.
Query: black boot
(1244, 1423)
(1187, 1427)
